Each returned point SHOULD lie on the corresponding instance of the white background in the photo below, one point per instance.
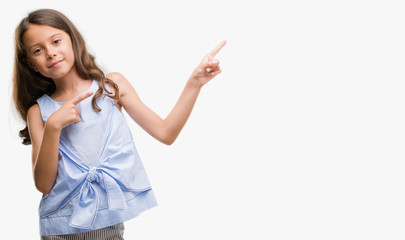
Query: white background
(301, 137)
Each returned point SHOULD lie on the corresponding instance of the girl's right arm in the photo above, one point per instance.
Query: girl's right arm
(45, 140)
(45, 150)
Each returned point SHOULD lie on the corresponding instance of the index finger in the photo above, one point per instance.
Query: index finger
(217, 49)
(80, 98)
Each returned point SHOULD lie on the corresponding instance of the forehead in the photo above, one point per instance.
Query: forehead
(38, 33)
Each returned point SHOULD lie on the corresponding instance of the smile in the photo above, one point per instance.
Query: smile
(55, 64)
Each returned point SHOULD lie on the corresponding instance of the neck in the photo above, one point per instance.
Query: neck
(70, 86)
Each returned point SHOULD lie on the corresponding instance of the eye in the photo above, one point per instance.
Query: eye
(37, 50)
(56, 41)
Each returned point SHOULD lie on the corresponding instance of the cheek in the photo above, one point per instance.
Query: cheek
(67, 53)
(71, 54)
(32, 64)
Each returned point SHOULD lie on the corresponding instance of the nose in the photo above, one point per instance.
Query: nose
(50, 52)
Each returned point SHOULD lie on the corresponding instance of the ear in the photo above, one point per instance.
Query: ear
(30, 64)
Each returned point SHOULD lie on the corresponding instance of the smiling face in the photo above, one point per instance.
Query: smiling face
(49, 51)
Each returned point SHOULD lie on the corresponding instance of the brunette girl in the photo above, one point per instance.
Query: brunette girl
(83, 157)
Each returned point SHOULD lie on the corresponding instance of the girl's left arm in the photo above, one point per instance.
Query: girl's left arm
(166, 130)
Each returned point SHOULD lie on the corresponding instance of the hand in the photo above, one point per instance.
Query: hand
(209, 66)
(68, 113)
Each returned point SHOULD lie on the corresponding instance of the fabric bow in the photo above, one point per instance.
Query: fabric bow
(87, 207)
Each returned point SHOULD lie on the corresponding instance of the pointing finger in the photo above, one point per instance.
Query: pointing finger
(216, 49)
(80, 98)
(78, 111)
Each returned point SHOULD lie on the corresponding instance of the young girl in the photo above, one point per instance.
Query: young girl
(83, 157)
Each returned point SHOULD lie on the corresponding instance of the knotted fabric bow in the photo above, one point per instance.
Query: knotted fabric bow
(87, 207)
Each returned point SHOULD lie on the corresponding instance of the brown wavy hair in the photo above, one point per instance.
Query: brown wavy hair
(29, 85)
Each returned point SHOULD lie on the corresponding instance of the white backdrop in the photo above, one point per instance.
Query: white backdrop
(301, 137)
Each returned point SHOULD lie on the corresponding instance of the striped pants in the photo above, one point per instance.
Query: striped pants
(114, 232)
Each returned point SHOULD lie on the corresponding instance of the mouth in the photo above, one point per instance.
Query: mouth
(55, 64)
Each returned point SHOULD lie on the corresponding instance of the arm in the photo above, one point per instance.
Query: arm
(45, 144)
(45, 140)
(166, 130)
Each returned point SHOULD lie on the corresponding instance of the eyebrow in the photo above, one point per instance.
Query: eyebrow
(33, 45)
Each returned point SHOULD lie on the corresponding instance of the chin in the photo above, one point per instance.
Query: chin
(55, 76)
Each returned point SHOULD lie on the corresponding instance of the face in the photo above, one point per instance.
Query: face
(49, 51)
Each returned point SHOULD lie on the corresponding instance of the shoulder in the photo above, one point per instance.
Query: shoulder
(34, 115)
(117, 78)
(124, 87)
(123, 84)
(33, 110)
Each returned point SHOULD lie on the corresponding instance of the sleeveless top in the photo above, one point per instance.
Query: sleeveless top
(101, 180)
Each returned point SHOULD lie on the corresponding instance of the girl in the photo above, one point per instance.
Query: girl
(83, 157)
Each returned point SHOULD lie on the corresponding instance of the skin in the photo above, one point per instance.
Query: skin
(49, 51)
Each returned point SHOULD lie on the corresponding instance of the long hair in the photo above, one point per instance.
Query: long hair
(29, 85)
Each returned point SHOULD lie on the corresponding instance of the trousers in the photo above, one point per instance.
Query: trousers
(114, 232)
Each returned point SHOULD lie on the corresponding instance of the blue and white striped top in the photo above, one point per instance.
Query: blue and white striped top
(101, 180)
